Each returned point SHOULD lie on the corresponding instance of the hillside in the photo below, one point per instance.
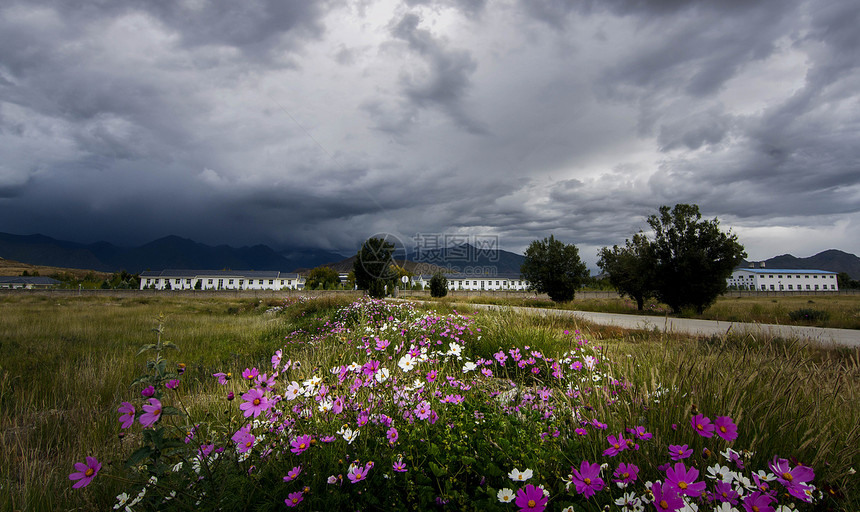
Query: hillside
(833, 260)
(16, 268)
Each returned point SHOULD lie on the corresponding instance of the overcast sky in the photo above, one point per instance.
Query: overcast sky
(319, 123)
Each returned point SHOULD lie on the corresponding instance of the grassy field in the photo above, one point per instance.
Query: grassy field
(66, 364)
(835, 311)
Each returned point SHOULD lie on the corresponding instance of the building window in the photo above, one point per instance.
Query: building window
(209, 281)
(763, 287)
(230, 281)
(789, 287)
(771, 287)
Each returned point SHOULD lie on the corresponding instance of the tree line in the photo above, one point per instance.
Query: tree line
(683, 263)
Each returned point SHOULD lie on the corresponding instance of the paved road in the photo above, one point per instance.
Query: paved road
(839, 337)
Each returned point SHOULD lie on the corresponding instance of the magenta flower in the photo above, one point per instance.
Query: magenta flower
(300, 444)
(626, 473)
(794, 479)
(587, 480)
(172, 384)
(84, 473)
(679, 451)
(293, 474)
(617, 444)
(148, 391)
(357, 473)
(222, 377)
(581, 431)
(702, 425)
(250, 374)
(151, 413)
(265, 382)
(531, 498)
(399, 466)
(392, 435)
(127, 418)
(639, 433)
(724, 492)
(255, 403)
(244, 441)
(294, 498)
(758, 502)
(423, 410)
(683, 480)
(725, 428)
(666, 499)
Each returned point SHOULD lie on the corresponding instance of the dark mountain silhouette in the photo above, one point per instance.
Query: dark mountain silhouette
(171, 252)
(832, 259)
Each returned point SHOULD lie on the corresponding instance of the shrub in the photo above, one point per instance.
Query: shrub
(809, 315)
(438, 285)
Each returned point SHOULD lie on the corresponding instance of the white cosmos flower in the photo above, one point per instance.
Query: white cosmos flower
(382, 375)
(506, 495)
(406, 363)
(468, 367)
(520, 476)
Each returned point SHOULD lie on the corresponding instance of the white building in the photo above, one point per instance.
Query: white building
(480, 282)
(220, 280)
(789, 280)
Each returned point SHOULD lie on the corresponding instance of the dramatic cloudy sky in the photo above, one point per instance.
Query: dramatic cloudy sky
(319, 123)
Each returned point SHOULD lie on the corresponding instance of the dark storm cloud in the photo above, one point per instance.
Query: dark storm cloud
(320, 123)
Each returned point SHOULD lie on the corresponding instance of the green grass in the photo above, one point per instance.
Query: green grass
(65, 365)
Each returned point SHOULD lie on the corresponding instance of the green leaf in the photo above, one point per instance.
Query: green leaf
(144, 348)
(468, 460)
(437, 470)
(171, 411)
(144, 452)
(143, 379)
(170, 344)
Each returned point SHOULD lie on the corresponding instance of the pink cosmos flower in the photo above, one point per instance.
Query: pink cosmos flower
(151, 413)
(702, 425)
(127, 418)
(294, 498)
(794, 479)
(626, 473)
(148, 391)
(301, 443)
(399, 466)
(172, 384)
(250, 374)
(683, 480)
(617, 444)
(222, 377)
(276, 359)
(531, 498)
(723, 492)
(581, 431)
(666, 499)
(639, 433)
(679, 451)
(293, 474)
(392, 435)
(255, 403)
(758, 502)
(587, 479)
(423, 410)
(725, 428)
(244, 441)
(84, 473)
(357, 473)
(294, 390)
(265, 382)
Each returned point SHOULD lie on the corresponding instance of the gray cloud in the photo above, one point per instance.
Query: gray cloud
(319, 123)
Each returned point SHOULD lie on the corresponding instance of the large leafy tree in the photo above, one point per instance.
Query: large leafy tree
(692, 257)
(374, 267)
(322, 278)
(631, 268)
(554, 268)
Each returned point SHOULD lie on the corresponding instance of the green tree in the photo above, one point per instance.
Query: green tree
(373, 267)
(630, 268)
(438, 285)
(845, 282)
(554, 268)
(693, 257)
(322, 278)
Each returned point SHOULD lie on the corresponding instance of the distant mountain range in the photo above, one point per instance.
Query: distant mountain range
(173, 252)
(832, 259)
(170, 252)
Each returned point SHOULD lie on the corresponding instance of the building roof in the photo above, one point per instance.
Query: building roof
(246, 274)
(784, 271)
